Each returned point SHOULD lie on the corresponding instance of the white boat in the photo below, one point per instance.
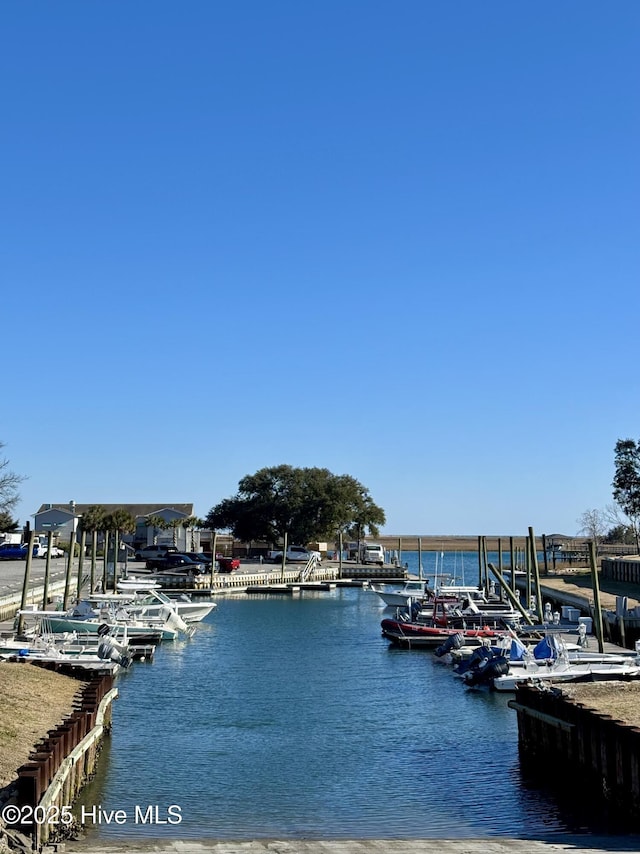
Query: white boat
(549, 661)
(564, 670)
(85, 620)
(410, 591)
(144, 597)
(108, 653)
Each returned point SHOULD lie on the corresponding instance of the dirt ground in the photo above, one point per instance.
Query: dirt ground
(621, 700)
(32, 701)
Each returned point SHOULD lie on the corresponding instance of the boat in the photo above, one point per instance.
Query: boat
(85, 620)
(417, 625)
(419, 634)
(144, 597)
(503, 669)
(411, 590)
(107, 654)
(568, 671)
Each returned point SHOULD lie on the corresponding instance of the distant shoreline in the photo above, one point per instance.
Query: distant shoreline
(434, 543)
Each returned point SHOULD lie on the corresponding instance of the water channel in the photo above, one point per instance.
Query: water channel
(293, 717)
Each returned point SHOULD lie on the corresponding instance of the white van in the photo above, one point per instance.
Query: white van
(372, 553)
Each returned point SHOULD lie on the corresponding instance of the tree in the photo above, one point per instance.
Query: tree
(158, 523)
(121, 521)
(7, 523)
(307, 504)
(93, 519)
(593, 525)
(192, 523)
(9, 482)
(626, 483)
(620, 535)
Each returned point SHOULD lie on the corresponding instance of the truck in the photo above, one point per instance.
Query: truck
(371, 553)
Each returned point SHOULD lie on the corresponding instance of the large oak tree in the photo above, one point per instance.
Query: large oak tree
(307, 504)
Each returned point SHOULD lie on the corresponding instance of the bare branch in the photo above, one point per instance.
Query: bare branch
(9, 483)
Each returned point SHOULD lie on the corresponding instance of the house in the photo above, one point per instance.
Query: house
(64, 521)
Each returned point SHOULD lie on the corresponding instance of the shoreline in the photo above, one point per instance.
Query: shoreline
(574, 843)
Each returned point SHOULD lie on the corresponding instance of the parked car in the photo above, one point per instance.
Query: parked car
(298, 554)
(154, 552)
(15, 551)
(175, 561)
(200, 557)
(55, 551)
(227, 564)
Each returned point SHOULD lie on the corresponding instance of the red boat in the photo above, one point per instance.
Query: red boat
(430, 627)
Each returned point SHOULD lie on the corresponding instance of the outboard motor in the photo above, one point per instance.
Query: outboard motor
(484, 675)
(107, 652)
(475, 660)
(455, 641)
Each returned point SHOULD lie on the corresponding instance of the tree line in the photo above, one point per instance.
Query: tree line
(306, 504)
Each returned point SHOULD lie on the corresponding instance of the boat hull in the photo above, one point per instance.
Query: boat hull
(416, 634)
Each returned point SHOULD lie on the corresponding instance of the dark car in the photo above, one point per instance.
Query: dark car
(176, 561)
(199, 557)
(227, 564)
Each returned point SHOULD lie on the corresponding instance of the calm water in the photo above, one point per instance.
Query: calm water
(293, 717)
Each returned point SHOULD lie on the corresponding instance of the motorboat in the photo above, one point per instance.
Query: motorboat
(505, 666)
(430, 624)
(564, 670)
(108, 653)
(145, 597)
(84, 619)
(411, 590)
(422, 635)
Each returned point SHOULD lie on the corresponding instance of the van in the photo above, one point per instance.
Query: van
(372, 553)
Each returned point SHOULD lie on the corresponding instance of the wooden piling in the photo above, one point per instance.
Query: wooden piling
(596, 595)
(536, 574)
(83, 539)
(25, 582)
(47, 571)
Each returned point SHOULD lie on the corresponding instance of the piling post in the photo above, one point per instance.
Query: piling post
(83, 541)
(500, 565)
(67, 578)
(420, 558)
(284, 557)
(214, 546)
(485, 566)
(512, 558)
(596, 595)
(479, 563)
(536, 574)
(340, 558)
(104, 561)
(25, 582)
(47, 571)
(544, 554)
(94, 549)
(116, 546)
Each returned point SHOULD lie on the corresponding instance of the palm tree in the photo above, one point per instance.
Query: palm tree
(120, 522)
(158, 524)
(92, 521)
(192, 523)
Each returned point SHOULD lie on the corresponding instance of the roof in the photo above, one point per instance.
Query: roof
(133, 509)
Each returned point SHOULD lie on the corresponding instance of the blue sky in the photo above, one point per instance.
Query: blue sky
(395, 240)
